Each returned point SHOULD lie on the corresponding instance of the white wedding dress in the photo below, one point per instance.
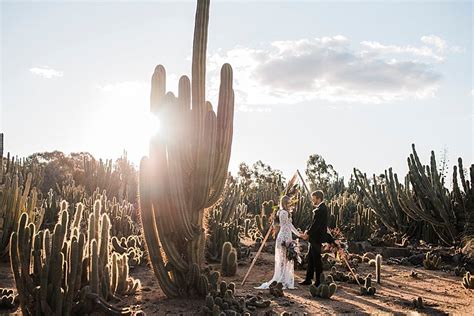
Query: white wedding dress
(284, 269)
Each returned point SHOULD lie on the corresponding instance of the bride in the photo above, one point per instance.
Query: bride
(284, 268)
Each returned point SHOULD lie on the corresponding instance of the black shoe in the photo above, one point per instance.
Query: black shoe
(305, 282)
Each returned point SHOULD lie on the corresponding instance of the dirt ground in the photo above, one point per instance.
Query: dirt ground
(441, 291)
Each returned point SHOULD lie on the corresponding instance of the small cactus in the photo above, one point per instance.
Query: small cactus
(378, 267)
(276, 289)
(367, 289)
(7, 299)
(431, 262)
(326, 289)
(468, 281)
(228, 260)
(458, 271)
(418, 303)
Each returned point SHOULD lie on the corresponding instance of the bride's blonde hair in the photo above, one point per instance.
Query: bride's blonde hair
(285, 202)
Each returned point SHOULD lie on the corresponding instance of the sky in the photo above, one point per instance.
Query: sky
(356, 82)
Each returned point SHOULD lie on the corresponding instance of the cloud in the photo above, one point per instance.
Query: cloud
(46, 72)
(330, 69)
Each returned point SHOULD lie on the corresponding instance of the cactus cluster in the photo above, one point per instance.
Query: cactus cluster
(131, 246)
(367, 288)
(16, 198)
(8, 299)
(263, 220)
(422, 201)
(276, 289)
(326, 289)
(458, 271)
(418, 303)
(431, 261)
(228, 260)
(468, 281)
(221, 298)
(67, 271)
(223, 228)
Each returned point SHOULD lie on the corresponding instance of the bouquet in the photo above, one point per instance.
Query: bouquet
(292, 251)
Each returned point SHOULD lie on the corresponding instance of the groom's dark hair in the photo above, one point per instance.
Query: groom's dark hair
(319, 194)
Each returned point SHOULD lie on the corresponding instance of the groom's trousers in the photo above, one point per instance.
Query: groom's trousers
(315, 264)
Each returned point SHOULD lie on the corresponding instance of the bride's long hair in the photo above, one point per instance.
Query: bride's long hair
(284, 205)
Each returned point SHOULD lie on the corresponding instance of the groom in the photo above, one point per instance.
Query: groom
(316, 234)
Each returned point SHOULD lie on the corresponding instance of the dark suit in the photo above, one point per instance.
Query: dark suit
(317, 233)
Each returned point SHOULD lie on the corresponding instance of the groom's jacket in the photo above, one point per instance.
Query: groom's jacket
(317, 231)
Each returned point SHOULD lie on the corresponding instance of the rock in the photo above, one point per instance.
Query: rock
(416, 259)
(391, 252)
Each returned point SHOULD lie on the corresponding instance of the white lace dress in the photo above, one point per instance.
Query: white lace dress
(284, 269)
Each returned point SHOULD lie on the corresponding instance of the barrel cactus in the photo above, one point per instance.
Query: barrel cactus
(186, 169)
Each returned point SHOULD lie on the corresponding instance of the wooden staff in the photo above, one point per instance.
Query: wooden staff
(257, 254)
(350, 269)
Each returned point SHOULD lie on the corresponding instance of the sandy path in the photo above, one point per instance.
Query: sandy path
(441, 292)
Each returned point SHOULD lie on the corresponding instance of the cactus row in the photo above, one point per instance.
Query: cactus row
(222, 299)
(422, 200)
(16, 199)
(68, 272)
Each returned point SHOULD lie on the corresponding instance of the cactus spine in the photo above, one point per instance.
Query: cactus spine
(186, 170)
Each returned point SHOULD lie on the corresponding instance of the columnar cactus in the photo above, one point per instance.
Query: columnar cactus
(65, 272)
(187, 167)
(367, 288)
(16, 199)
(228, 260)
(378, 267)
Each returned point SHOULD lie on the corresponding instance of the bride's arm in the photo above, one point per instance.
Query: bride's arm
(284, 219)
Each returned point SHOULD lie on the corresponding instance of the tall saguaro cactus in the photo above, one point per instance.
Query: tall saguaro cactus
(186, 169)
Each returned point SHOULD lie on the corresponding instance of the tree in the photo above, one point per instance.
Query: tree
(322, 176)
